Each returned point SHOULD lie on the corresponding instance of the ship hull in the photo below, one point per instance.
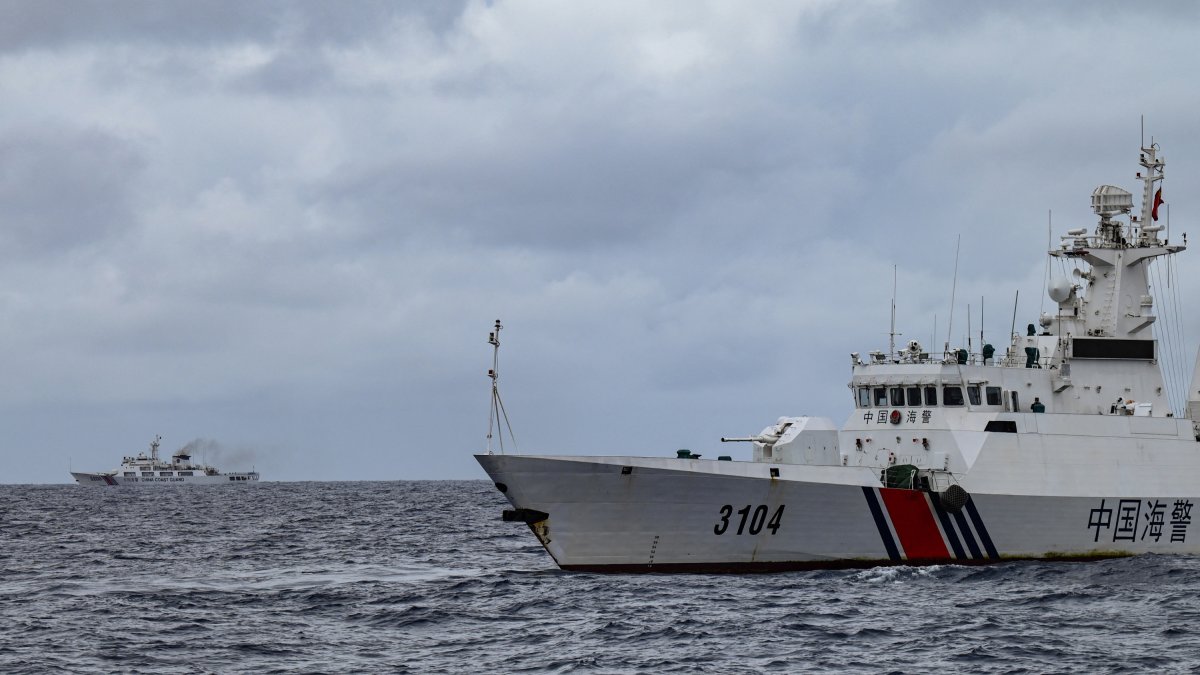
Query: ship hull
(636, 514)
(104, 479)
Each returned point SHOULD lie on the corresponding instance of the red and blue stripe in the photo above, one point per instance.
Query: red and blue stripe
(914, 526)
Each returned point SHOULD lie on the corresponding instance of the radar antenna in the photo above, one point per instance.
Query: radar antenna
(496, 412)
(892, 334)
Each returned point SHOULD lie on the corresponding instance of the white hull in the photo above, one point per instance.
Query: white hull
(84, 478)
(670, 514)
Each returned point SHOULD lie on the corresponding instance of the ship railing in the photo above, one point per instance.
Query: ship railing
(1010, 359)
(951, 357)
(1018, 361)
(973, 359)
(1130, 237)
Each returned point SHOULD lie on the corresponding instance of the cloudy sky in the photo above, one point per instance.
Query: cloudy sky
(287, 228)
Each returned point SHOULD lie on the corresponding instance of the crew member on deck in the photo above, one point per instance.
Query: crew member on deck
(1038, 406)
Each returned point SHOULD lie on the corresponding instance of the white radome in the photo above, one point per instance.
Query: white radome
(1060, 289)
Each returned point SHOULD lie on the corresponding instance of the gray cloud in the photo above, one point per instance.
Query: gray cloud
(38, 25)
(63, 188)
(290, 225)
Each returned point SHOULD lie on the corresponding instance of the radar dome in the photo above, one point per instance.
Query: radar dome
(1110, 200)
(1060, 289)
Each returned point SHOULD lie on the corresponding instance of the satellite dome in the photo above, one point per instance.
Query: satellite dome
(1061, 289)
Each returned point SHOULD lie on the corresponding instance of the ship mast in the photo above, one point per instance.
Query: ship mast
(154, 448)
(496, 412)
(1154, 174)
(1118, 303)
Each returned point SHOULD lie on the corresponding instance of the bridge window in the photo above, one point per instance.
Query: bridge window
(147, 473)
(914, 397)
(185, 473)
(880, 395)
(952, 395)
(165, 473)
(973, 394)
(993, 395)
(897, 396)
(864, 397)
(130, 474)
(930, 396)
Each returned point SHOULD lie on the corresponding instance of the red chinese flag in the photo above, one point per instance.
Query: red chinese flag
(1157, 203)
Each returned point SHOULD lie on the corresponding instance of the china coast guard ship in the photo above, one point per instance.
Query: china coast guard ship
(1064, 448)
(150, 470)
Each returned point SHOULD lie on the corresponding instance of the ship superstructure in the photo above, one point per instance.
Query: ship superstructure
(1065, 446)
(144, 469)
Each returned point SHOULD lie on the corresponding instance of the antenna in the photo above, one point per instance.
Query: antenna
(969, 329)
(981, 342)
(892, 334)
(1013, 330)
(1049, 244)
(497, 410)
(953, 290)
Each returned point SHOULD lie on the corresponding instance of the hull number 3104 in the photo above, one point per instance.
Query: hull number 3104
(754, 516)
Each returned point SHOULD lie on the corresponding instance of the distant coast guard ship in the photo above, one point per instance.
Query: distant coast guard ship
(150, 470)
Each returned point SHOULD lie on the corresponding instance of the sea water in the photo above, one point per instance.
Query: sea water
(423, 577)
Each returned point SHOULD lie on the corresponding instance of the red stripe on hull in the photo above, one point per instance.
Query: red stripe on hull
(913, 520)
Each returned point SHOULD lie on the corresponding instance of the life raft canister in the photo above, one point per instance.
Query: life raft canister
(895, 417)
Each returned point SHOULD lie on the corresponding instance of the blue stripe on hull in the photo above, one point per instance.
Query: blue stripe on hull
(983, 533)
(880, 522)
(947, 527)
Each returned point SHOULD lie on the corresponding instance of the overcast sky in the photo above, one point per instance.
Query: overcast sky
(287, 228)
